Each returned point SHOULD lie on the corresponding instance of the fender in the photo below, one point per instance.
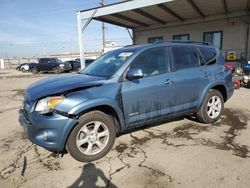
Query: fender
(84, 106)
(206, 90)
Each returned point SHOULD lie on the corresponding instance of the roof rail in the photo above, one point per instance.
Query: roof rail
(184, 41)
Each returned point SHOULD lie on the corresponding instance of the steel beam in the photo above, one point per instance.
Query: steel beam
(196, 8)
(225, 6)
(248, 5)
(121, 7)
(112, 22)
(128, 19)
(80, 40)
(147, 15)
(81, 29)
(171, 12)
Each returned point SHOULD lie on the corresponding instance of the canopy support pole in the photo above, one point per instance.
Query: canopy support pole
(80, 35)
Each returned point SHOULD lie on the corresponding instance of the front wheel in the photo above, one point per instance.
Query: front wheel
(211, 108)
(93, 137)
(57, 70)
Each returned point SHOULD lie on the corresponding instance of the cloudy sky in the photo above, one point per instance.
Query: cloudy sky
(30, 27)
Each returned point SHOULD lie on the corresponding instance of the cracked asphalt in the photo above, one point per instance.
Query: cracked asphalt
(178, 153)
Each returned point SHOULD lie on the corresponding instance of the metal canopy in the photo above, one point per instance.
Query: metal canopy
(142, 14)
(145, 13)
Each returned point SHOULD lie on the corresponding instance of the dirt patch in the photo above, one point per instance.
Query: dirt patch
(237, 121)
(121, 147)
(27, 156)
(19, 92)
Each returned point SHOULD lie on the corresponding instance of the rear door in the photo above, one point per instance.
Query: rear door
(190, 78)
(151, 96)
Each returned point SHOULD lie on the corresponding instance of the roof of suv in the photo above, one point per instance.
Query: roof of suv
(168, 43)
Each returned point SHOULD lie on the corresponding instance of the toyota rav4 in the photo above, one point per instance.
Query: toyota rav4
(130, 87)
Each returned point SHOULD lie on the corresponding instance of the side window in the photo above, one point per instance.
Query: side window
(155, 39)
(183, 37)
(152, 61)
(209, 55)
(43, 61)
(185, 57)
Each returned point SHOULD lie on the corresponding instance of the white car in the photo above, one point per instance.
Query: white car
(24, 68)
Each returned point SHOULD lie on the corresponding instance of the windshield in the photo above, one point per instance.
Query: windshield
(108, 64)
(55, 60)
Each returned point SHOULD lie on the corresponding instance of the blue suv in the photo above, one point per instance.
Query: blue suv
(130, 87)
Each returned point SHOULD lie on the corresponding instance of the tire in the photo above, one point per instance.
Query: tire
(87, 138)
(210, 112)
(57, 71)
(35, 71)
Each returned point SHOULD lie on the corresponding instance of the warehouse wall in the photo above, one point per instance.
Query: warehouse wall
(233, 39)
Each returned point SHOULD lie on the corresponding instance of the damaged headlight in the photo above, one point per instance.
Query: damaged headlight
(47, 104)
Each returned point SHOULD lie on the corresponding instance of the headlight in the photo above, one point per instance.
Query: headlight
(47, 104)
(61, 65)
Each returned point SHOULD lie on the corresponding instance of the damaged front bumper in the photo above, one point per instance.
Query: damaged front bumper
(50, 132)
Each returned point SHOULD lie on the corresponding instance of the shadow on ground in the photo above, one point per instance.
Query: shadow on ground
(89, 178)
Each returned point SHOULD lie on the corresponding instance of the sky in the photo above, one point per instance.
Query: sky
(32, 28)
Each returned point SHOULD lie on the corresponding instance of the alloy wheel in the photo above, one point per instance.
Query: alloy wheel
(214, 107)
(92, 138)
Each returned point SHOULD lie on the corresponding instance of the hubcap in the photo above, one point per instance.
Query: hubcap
(92, 138)
(214, 107)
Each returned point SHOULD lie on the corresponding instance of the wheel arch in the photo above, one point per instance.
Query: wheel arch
(217, 86)
(105, 105)
(105, 108)
(222, 90)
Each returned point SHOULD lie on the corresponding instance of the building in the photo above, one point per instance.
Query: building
(224, 23)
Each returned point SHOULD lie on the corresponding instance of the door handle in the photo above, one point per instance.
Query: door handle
(168, 82)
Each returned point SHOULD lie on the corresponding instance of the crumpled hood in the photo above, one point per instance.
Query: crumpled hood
(60, 84)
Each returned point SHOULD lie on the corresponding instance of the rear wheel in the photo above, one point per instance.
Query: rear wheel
(34, 71)
(93, 137)
(211, 108)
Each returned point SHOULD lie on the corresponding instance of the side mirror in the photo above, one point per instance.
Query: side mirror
(134, 73)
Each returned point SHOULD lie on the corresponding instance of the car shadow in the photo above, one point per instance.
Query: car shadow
(89, 177)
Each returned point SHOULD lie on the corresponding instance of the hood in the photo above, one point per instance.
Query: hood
(61, 84)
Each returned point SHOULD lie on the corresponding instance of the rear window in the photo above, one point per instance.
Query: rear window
(185, 57)
(209, 55)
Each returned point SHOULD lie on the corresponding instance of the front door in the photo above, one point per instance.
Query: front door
(151, 96)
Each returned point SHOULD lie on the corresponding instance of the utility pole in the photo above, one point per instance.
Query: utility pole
(103, 30)
(44, 51)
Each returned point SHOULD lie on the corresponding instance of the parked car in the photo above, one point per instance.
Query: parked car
(51, 65)
(25, 67)
(77, 63)
(123, 89)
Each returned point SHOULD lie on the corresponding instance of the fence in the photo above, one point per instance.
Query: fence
(13, 63)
